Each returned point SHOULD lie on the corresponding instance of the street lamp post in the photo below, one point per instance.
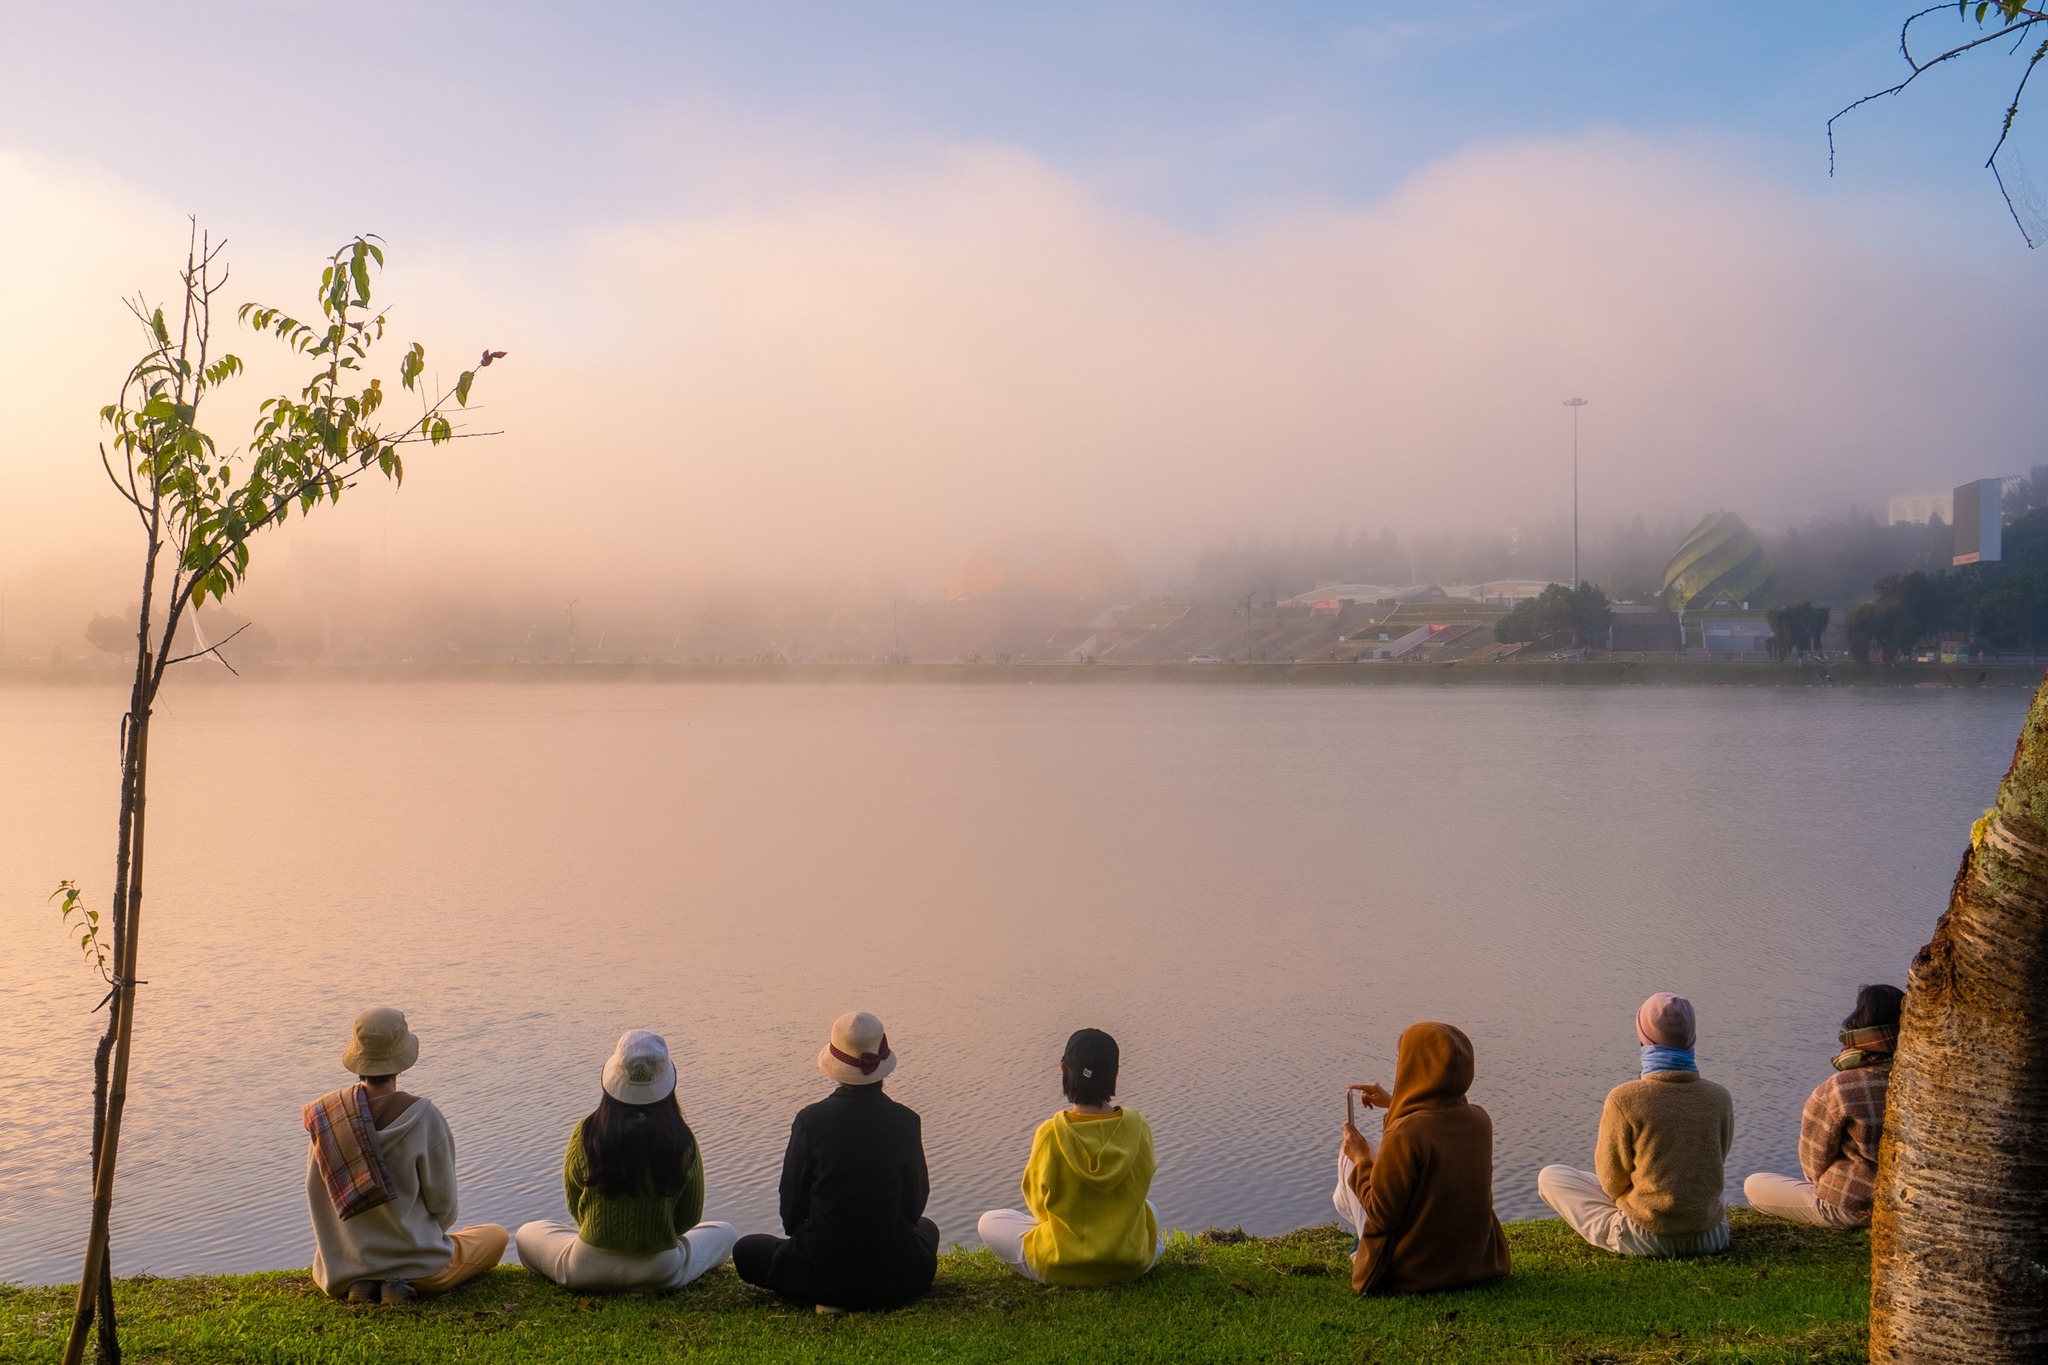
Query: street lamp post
(1575, 404)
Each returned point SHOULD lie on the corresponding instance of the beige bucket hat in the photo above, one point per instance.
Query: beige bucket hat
(382, 1045)
(639, 1071)
(859, 1051)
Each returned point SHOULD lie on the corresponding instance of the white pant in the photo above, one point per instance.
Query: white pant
(1579, 1200)
(1003, 1231)
(554, 1251)
(1782, 1196)
(1345, 1198)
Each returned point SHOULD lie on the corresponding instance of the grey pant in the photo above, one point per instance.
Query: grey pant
(1579, 1200)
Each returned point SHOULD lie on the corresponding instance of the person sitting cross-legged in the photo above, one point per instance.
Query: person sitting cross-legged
(380, 1180)
(634, 1181)
(854, 1186)
(1663, 1141)
(1086, 1183)
(1422, 1205)
(1841, 1125)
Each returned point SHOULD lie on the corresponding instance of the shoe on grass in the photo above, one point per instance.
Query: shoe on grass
(826, 1310)
(364, 1291)
(398, 1291)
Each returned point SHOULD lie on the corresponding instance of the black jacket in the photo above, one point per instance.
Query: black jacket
(854, 1185)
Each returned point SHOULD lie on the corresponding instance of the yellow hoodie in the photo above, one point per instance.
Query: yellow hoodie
(1086, 1184)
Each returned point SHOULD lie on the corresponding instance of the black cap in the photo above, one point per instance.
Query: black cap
(1092, 1054)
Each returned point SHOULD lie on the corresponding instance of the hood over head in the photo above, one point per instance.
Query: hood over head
(1432, 1069)
(1102, 1152)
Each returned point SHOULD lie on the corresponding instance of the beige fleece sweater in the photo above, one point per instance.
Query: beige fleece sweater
(1663, 1140)
(406, 1239)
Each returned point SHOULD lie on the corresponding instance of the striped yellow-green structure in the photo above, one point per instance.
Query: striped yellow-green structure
(1721, 557)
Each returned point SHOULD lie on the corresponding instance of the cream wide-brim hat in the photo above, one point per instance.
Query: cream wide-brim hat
(382, 1045)
(859, 1052)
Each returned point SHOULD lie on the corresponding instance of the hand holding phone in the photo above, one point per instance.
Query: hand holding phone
(1356, 1144)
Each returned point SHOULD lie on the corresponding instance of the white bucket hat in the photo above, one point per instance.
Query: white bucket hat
(639, 1071)
(380, 1044)
(859, 1051)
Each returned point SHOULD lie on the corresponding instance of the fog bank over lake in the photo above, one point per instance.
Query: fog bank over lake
(1253, 888)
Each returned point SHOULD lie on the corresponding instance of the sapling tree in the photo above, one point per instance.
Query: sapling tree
(199, 508)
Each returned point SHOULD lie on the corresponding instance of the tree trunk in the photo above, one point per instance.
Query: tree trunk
(94, 1283)
(108, 1338)
(1959, 1238)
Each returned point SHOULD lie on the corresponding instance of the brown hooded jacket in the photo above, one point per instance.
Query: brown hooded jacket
(1428, 1194)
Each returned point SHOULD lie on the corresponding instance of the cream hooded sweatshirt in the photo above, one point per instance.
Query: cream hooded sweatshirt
(1086, 1184)
(406, 1239)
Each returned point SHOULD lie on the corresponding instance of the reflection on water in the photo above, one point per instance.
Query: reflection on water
(1253, 888)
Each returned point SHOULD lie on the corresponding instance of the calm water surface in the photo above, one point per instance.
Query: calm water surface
(1254, 888)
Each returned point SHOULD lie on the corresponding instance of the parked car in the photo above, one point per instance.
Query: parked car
(1204, 659)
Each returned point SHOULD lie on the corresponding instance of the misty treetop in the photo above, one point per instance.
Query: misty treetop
(1581, 613)
(1797, 630)
(2003, 604)
(1834, 561)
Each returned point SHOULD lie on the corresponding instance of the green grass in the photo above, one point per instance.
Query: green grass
(1780, 1294)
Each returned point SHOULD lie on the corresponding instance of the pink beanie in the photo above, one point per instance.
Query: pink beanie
(1666, 1020)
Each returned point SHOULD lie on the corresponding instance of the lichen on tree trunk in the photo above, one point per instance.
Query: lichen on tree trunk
(1959, 1237)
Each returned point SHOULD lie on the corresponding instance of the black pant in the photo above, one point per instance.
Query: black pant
(758, 1260)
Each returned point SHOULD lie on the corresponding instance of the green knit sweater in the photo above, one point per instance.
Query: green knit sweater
(640, 1224)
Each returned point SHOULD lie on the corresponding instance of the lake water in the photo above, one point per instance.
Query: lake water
(1254, 888)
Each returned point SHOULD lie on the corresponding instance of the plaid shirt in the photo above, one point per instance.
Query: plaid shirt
(1838, 1136)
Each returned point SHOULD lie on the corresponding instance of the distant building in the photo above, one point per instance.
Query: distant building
(1505, 591)
(1980, 521)
(1735, 635)
(1355, 592)
(1917, 509)
(1501, 591)
(1642, 628)
(1721, 560)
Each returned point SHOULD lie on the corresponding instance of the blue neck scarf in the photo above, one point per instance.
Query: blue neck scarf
(1659, 1058)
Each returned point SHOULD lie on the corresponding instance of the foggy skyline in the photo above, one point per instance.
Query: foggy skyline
(814, 301)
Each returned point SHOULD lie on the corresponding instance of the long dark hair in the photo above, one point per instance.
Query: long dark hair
(637, 1149)
(1876, 1007)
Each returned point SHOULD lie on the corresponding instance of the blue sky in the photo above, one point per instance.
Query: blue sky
(507, 117)
(853, 289)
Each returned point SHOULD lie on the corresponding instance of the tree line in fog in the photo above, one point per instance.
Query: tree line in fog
(1836, 559)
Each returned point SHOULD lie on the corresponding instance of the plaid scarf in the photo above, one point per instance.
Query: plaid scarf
(345, 1146)
(1866, 1047)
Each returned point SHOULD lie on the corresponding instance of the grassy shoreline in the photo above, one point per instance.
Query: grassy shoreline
(1781, 1293)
